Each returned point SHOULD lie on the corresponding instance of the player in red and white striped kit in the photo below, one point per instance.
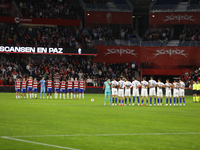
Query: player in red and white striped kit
(49, 88)
(35, 84)
(17, 88)
(81, 88)
(30, 86)
(57, 85)
(62, 88)
(69, 88)
(76, 83)
(23, 90)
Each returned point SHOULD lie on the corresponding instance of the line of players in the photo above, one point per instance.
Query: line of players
(118, 90)
(30, 86)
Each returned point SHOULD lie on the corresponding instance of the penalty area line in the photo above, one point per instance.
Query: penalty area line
(32, 142)
(128, 134)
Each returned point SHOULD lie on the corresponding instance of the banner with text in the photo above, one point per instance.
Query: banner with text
(5, 6)
(42, 21)
(175, 18)
(48, 50)
(161, 57)
(108, 17)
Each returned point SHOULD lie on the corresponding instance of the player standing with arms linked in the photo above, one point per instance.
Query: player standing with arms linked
(136, 84)
(57, 86)
(114, 92)
(42, 88)
(152, 90)
(181, 92)
(82, 88)
(159, 91)
(49, 88)
(76, 88)
(121, 85)
(30, 86)
(69, 88)
(106, 87)
(144, 93)
(168, 92)
(17, 88)
(35, 84)
(128, 86)
(62, 88)
(175, 92)
(194, 90)
(23, 87)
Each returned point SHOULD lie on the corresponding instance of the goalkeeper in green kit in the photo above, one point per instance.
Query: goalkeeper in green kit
(106, 86)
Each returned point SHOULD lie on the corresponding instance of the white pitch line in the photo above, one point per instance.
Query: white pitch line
(76, 135)
(32, 142)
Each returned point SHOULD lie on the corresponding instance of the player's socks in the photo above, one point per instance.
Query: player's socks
(71, 95)
(119, 101)
(158, 100)
(147, 101)
(170, 100)
(125, 100)
(180, 100)
(183, 100)
(142, 101)
(35, 95)
(105, 100)
(161, 100)
(19, 96)
(174, 100)
(166, 100)
(30, 95)
(47, 97)
(64, 95)
(133, 99)
(115, 100)
(40, 95)
(109, 99)
(122, 101)
(83, 95)
(74, 95)
(60, 95)
(177, 100)
(138, 99)
(79, 95)
(194, 98)
(68, 95)
(129, 100)
(150, 100)
(27, 95)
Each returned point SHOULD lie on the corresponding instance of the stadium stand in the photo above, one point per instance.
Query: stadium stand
(44, 36)
(165, 4)
(194, 5)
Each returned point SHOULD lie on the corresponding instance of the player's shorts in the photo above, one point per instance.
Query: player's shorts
(114, 91)
(194, 91)
(62, 90)
(181, 92)
(175, 93)
(135, 92)
(69, 90)
(168, 93)
(159, 93)
(81, 90)
(17, 90)
(121, 93)
(144, 92)
(29, 89)
(107, 93)
(75, 89)
(23, 90)
(49, 90)
(128, 92)
(152, 92)
(34, 89)
(56, 89)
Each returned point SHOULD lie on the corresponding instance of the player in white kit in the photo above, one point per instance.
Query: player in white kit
(175, 92)
(152, 90)
(136, 84)
(168, 92)
(114, 85)
(128, 86)
(144, 93)
(181, 92)
(160, 85)
(121, 85)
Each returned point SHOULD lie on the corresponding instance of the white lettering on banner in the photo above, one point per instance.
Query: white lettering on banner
(170, 52)
(121, 51)
(30, 49)
(179, 18)
(18, 20)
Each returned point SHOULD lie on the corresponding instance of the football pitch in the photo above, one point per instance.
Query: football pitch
(41, 124)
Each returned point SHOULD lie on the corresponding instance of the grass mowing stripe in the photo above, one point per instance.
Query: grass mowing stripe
(106, 134)
(32, 142)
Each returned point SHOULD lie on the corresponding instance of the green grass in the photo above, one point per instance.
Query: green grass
(88, 120)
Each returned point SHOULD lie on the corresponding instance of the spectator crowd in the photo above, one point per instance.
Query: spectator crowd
(93, 73)
(44, 36)
(190, 34)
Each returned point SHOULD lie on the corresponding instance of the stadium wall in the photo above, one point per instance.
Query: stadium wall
(89, 90)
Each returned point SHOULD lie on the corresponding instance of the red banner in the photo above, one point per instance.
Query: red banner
(160, 57)
(108, 17)
(175, 18)
(5, 6)
(66, 22)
